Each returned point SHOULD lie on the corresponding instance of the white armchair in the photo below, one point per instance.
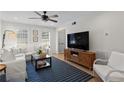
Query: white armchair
(16, 67)
(111, 70)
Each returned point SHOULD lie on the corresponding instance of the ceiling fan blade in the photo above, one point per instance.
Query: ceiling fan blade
(54, 16)
(34, 18)
(52, 20)
(37, 13)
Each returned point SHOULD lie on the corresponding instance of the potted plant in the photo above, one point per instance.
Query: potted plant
(41, 53)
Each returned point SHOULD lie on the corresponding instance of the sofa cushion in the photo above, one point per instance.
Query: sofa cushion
(7, 56)
(116, 61)
(15, 51)
(20, 56)
(103, 70)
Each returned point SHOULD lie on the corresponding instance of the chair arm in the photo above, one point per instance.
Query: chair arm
(16, 65)
(101, 61)
(118, 71)
(13, 61)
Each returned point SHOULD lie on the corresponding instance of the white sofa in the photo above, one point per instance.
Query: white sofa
(111, 70)
(16, 66)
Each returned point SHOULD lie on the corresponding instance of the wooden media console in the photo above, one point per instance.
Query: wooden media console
(84, 58)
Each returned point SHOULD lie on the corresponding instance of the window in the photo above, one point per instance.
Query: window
(45, 35)
(10, 39)
(46, 41)
(22, 38)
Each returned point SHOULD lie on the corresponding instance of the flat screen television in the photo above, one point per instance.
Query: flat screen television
(78, 40)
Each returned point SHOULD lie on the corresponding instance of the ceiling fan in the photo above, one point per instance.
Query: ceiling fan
(45, 17)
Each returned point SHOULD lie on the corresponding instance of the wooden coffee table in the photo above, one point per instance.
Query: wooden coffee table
(3, 68)
(35, 58)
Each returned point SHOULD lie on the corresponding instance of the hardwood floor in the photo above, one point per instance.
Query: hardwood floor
(61, 57)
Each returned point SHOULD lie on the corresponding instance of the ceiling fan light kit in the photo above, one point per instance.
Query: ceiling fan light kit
(45, 17)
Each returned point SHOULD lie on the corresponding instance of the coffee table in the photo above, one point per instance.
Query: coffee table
(35, 58)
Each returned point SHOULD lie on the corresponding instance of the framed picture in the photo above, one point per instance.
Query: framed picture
(35, 39)
(35, 35)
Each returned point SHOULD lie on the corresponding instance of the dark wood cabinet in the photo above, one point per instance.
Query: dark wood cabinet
(84, 58)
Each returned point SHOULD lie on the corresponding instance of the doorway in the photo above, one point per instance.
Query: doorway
(61, 40)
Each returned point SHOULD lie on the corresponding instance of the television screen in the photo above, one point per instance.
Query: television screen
(79, 40)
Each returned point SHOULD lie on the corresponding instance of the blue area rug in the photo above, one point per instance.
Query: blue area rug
(59, 72)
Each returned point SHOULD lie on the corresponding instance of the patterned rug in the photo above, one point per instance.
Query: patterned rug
(59, 72)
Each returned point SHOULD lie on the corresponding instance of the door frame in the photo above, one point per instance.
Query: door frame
(64, 40)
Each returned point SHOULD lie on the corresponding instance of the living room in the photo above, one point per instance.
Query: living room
(22, 33)
(41, 49)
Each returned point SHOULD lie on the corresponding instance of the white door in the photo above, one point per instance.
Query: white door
(61, 40)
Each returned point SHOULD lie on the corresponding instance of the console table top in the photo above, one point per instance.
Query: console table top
(2, 67)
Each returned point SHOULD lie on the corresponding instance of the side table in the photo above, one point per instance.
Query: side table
(2, 72)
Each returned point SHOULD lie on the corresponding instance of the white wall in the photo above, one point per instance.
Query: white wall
(19, 26)
(106, 31)
(0, 33)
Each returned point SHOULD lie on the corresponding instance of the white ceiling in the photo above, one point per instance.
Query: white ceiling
(64, 17)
